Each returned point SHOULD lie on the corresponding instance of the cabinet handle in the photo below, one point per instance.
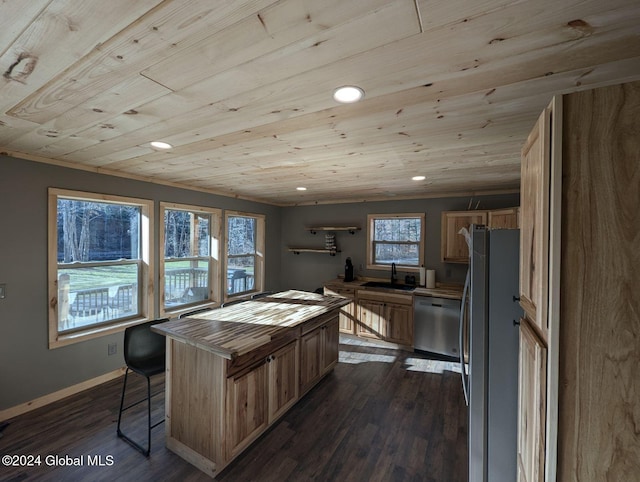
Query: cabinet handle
(516, 322)
(516, 298)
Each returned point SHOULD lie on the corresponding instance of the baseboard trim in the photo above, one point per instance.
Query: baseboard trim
(11, 412)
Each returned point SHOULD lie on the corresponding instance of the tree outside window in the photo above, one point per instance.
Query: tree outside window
(189, 266)
(395, 238)
(244, 253)
(99, 258)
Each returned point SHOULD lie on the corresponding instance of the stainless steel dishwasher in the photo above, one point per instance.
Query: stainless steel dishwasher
(436, 325)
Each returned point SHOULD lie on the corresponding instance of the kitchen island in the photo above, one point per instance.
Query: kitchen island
(233, 371)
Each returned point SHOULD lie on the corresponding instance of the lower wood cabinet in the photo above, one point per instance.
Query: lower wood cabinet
(532, 395)
(371, 319)
(399, 325)
(348, 312)
(318, 353)
(282, 380)
(246, 408)
(385, 316)
(259, 395)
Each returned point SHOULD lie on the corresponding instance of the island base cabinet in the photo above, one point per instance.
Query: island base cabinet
(246, 408)
(194, 406)
(259, 395)
(283, 387)
(219, 402)
(318, 353)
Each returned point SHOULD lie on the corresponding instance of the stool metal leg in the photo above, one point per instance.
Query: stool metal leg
(137, 446)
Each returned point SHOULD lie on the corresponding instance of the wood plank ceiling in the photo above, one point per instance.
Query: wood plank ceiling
(243, 89)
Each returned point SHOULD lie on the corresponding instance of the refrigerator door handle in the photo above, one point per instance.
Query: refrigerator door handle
(463, 306)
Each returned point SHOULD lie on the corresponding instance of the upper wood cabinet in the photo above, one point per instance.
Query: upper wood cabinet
(534, 232)
(508, 218)
(453, 246)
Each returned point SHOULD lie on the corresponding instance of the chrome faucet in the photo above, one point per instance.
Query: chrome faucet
(393, 273)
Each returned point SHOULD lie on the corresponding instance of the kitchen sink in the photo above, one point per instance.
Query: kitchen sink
(388, 285)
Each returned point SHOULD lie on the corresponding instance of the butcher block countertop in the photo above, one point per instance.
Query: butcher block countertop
(441, 290)
(240, 328)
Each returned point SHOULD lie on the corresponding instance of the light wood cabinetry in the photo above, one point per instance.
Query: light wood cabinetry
(579, 351)
(319, 353)
(257, 396)
(504, 218)
(531, 405)
(453, 245)
(347, 313)
(228, 380)
(246, 408)
(534, 233)
(282, 380)
(385, 316)
(371, 318)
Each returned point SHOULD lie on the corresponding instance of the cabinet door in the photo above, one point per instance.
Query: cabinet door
(310, 359)
(532, 390)
(246, 408)
(348, 312)
(371, 319)
(399, 327)
(453, 245)
(503, 218)
(331, 342)
(282, 380)
(534, 226)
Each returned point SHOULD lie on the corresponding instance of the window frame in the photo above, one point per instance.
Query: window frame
(145, 272)
(371, 218)
(213, 258)
(258, 275)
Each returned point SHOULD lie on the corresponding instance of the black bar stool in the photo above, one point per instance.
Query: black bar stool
(144, 354)
(194, 312)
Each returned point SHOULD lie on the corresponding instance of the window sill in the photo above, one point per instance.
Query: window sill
(91, 333)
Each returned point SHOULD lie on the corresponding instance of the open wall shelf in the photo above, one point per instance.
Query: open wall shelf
(330, 252)
(315, 229)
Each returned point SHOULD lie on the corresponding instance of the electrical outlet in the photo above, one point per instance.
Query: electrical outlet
(3, 291)
(112, 349)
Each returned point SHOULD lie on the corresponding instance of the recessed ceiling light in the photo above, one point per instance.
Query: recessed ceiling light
(418, 178)
(161, 145)
(301, 188)
(348, 94)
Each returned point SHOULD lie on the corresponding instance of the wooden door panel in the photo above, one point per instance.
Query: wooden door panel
(531, 405)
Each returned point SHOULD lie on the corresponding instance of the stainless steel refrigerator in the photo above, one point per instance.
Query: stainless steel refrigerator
(489, 319)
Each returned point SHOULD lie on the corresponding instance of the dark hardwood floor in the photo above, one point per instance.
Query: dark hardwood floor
(382, 415)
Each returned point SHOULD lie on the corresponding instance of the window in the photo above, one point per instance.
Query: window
(189, 266)
(395, 238)
(99, 256)
(244, 253)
